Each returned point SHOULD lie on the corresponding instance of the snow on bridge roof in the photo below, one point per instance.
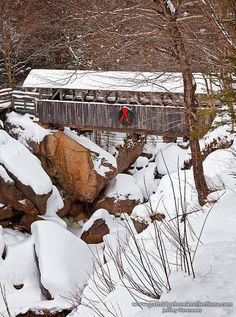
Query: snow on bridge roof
(115, 81)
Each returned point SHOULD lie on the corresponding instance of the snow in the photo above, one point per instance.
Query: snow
(170, 158)
(145, 179)
(54, 204)
(175, 192)
(4, 175)
(26, 167)
(220, 132)
(100, 214)
(141, 162)
(171, 7)
(101, 156)
(214, 265)
(19, 268)
(26, 129)
(115, 80)
(4, 105)
(65, 264)
(123, 187)
(65, 261)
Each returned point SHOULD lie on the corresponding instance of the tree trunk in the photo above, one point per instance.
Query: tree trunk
(190, 104)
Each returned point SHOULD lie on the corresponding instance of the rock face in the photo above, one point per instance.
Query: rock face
(11, 196)
(40, 201)
(72, 166)
(142, 224)
(100, 224)
(121, 196)
(96, 232)
(116, 207)
(128, 153)
(6, 213)
(24, 183)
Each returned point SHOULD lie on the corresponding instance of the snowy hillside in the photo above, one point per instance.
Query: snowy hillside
(166, 249)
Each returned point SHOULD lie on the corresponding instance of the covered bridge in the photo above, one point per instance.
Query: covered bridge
(141, 102)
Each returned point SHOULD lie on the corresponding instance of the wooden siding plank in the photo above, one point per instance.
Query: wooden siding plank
(148, 119)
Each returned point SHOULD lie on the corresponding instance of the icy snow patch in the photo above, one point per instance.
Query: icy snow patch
(26, 167)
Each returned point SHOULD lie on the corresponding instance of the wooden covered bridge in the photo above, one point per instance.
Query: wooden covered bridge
(140, 102)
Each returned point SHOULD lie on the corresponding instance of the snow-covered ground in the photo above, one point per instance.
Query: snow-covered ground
(53, 268)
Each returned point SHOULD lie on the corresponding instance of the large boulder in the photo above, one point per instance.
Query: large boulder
(100, 224)
(121, 195)
(5, 213)
(128, 153)
(11, 196)
(77, 164)
(25, 170)
(170, 158)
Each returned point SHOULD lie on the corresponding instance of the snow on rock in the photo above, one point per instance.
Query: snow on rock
(19, 268)
(4, 175)
(124, 187)
(220, 133)
(54, 204)
(26, 129)
(21, 163)
(175, 191)
(170, 158)
(220, 168)
(2, 242)
(171, 7)
(100, 214)
(122, 194)
(145, 179)
(141, 162)
(100, 157)
(65, 261)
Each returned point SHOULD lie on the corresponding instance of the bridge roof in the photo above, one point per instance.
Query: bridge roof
(115, 81)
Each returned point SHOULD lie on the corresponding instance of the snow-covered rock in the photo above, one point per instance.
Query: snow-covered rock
(146, 179)
(128, 153)
(220, 169)
(23, 165)
(64, 265)
(25, 128)
(21, 169)
(100, 224)
(65, 261)
(170, 158)
(103, 162)
(77, 164)
(141, 162)
(121, 195)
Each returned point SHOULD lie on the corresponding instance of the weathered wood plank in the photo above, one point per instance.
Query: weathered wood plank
(149, 119)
